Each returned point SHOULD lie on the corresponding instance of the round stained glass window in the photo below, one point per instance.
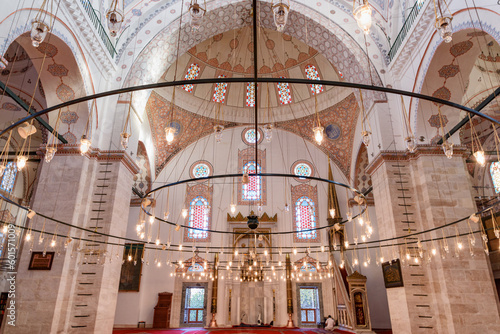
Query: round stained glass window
(302, 169)
(250, 136)
(201, 169)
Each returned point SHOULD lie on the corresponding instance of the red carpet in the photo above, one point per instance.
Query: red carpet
(223, 331)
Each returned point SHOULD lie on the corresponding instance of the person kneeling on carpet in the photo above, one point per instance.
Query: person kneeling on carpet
(329, 323)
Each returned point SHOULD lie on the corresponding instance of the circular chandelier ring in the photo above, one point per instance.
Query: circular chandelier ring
(221, 176)
(244, 80)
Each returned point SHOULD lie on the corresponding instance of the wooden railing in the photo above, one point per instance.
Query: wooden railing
(343, 317)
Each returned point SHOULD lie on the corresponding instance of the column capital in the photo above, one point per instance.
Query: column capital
(422, 150)
(97, 154)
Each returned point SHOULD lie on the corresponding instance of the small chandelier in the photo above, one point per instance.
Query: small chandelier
(365, 137)
(124, 136)
(114, 17)
(268, 132)
(318, 134)
(169, 134)
(280, 12)
(363, 16)
(84, 144)
(197, 12)
(443, 21)
(411, 143)
(21, 161)
(39, 31)
(447, 149)
(50, 153)
(218, 132)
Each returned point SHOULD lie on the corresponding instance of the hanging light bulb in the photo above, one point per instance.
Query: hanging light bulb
(322, 249)
(50, 153)
(349, 215)
(169, 134)
(361, 221)
(38, 32)
(233, 208)
(114, 17)
(21, 161)
(218, 132)
(196, 12)
(268, 132)
(124, 139)
(280, 12)
(363, 16)
(28, 237)
(480, 158)
(184, 213)
(318, 134)
(411, 144)
(447, 149)
(365, 137)
(84, 144)
(166, 214)
(346, 244)
(332, 213)
(287, 207)
(443, 26)
(295, 251)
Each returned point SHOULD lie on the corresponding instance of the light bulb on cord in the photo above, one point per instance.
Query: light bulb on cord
(84, 144)
(295, 251)
(332, 213)
(184, 213)
(21, 161)
(480, 158)
(318, 134)
(233, 208)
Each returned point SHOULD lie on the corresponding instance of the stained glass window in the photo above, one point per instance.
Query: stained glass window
(284, 92)
(252, 191)
(196, 268)
(250, 136)
(495, 175)
(9, 177)
(220, 91)
(201, 170)
(198, 218)
(251, 94)
(312, 74)
(302, 169)
(310, 267)
(305, 218)
(192, 73)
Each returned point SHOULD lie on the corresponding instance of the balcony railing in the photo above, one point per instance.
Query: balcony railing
(98, 26)
(405, 29)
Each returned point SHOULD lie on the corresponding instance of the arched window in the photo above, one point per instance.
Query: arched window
(312, 74)
(196, 268)
(284, 92)
(220, 91)
(250, 94)
(198, 218)
(9, 177)
(252, 191)
(305, 218)
(192, 73)
(495, 175)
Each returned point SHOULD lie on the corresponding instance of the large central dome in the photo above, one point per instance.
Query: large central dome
(230, 54)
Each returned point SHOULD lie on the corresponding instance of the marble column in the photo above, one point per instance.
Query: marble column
(78, 294)
(215, 283)
(289, 295)
(451, 294)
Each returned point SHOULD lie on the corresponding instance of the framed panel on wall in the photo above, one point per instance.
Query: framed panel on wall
(392, 274)
(130, 277)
